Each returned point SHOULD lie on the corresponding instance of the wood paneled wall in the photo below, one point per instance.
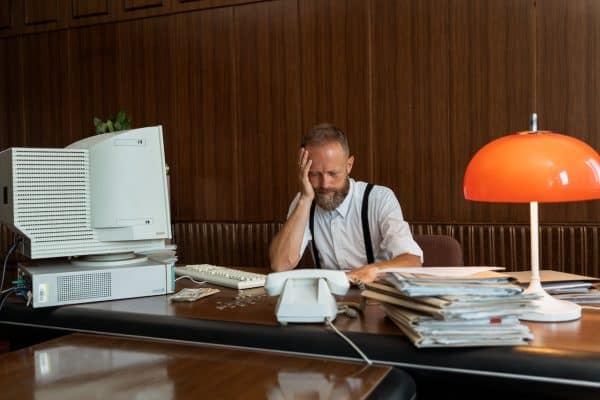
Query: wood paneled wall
(418, 85)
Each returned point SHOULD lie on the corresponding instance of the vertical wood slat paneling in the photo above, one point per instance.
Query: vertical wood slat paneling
(411, 89)
(232, 244)
(146, 81)
(567, 248)
(568, 84)
(204, 161)
(46, 99)
(268, 106)
(11, 105)
(334, 54)
(6, 19)
(92, 70)
(492, 91)
(204, 158)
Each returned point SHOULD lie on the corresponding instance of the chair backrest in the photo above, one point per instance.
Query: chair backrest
(440, 250)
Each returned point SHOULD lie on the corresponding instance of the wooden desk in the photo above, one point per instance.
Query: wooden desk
(81, 366)
(562, 355)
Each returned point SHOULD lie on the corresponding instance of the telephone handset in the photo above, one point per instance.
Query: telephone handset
(306, 294)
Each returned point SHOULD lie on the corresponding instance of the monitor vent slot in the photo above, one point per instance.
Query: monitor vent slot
(92, 285)
(51, 195)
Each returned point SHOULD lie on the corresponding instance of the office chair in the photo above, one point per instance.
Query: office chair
(440, 250)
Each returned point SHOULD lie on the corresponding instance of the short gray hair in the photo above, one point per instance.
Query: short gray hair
(325, 133)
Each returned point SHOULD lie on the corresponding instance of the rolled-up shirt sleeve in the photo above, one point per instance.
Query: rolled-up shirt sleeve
(395, 231)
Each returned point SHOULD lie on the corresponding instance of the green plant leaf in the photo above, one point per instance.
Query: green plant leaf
(101, 128)
(112, 124)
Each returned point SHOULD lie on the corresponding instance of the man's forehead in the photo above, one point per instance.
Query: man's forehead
(329, 149)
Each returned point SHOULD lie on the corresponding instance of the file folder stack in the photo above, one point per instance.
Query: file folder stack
(579, 289)
(436, 311)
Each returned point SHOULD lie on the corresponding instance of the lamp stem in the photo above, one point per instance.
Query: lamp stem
(548, 309)
(535, 246)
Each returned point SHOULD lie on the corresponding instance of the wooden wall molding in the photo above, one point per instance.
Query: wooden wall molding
(87, 8)
(5, 15)
(21, 17)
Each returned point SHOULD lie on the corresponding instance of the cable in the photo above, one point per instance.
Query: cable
(190, 278)
(8, 253)
(348, 311)
(350, 342)
(6, 293)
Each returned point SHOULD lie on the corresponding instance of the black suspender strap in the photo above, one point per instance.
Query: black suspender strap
(311, 226)
(365, 224)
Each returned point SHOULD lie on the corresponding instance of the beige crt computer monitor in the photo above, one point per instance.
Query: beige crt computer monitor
(105, 194)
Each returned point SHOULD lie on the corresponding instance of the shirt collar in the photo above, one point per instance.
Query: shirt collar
(342, 209)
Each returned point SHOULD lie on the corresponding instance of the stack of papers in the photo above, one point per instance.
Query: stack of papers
(467, 306)
(166, 255)
(576, 288)
(590, 297)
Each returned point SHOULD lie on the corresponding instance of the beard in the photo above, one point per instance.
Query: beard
(329, 200)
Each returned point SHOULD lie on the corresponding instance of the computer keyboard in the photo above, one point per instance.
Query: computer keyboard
(222, 276)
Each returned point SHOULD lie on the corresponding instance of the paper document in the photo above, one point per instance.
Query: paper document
(444, 286)
(547, 276)
(456, 272)
(591, 297)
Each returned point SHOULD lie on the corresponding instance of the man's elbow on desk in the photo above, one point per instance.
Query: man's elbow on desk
(279, 265)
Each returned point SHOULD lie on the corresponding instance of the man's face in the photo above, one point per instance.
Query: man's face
(329, 174)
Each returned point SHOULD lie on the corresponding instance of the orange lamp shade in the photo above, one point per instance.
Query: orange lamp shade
(533, 166)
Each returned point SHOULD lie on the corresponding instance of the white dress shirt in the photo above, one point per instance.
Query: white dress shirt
(339, 234)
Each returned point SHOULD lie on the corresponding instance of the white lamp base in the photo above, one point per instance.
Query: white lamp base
(549, 309)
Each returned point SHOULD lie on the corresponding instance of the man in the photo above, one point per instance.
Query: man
(324, 165)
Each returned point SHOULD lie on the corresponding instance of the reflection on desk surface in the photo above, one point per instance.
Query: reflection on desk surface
(87, 366)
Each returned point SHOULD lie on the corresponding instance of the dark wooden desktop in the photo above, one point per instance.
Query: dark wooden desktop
(81, 366)
(562, 361)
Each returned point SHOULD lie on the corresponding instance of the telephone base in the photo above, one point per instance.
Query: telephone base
(306, 300)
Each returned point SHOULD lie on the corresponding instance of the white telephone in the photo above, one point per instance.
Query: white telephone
(306, 294)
